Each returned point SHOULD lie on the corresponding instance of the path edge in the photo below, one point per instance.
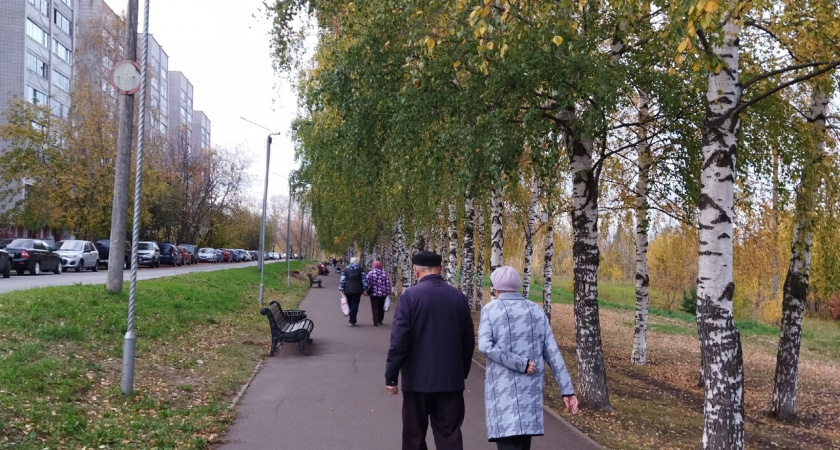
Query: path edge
(557, 416)
(244, 387)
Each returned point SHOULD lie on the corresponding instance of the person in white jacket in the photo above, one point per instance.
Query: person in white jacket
(515, 336)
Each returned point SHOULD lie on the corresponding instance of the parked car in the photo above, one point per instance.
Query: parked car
(193, 251)
(5, 263)
(243, 255)
(227, 255)
(103, 246)
(234, 255)
(33, 255)
(207, 254)
(170, 254)
(78, 255)
(5, 242)
(148, 253)
(186, 256)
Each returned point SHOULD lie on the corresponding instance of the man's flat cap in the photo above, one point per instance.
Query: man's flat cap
(427, 259)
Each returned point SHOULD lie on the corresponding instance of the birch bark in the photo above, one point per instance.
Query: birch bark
(639, 356)
(497, 238)
(797, 283)
(479, 265)
(452, 265)
(529, 236)
(592, 376)
(468, 258)
(720, 342)
(547, 267)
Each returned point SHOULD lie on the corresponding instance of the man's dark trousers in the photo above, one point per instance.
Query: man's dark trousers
(446, 410)
(353, 301)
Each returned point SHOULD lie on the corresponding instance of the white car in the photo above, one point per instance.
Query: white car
(78, 255)
(148, 254)
(207, 255)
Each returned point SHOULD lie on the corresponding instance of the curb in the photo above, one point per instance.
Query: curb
(559, 418)
(241, 392)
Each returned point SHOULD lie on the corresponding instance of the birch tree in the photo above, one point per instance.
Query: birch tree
(796, 285)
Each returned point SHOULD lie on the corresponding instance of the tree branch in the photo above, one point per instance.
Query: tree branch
(764, 76)
(778, 88)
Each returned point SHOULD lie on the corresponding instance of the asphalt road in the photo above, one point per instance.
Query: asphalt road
(20, 282)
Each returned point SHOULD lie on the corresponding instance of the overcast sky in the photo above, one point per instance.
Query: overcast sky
(222, 47)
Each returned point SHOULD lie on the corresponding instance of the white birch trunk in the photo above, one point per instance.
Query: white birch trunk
(404, 258)
(529, 236)
(468, 258)
(592, 376)
(720, 342)
(797, 283)
(497, 238)
(547, 267)
(396, 254)
(479, 265)
(639, 356)
(452, 265)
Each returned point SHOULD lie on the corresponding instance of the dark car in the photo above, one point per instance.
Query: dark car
(33, 255)
(170, 254)
(5, 263)
(103, 246)
(5, 242)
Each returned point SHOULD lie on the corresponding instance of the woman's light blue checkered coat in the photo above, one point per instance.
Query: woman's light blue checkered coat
(512, 331)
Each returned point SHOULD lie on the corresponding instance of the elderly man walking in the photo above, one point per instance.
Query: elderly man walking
(432, 341)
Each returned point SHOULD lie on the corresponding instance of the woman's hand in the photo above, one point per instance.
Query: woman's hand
(571, 403)
(532, 367)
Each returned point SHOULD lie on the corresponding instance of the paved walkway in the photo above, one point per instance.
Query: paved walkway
(335, 398)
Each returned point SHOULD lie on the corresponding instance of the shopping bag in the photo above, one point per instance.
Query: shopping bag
(345, 308)
(387, 303)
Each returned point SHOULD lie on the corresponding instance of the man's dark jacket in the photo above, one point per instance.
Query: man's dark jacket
(432, 338)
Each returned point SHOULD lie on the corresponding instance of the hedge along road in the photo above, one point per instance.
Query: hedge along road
(21, 282)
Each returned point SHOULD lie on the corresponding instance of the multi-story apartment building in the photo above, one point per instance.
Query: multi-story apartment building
(157, 111)
(200, 133)
(37, 38)
(180, 112)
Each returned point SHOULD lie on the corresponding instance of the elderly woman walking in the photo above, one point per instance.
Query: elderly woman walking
(515, 336)
(379, 288)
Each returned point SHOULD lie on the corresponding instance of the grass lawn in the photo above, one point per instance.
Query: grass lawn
(661, 405)
(199, 337)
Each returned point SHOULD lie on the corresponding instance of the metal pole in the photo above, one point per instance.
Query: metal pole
(262, 222)
(129, 342)
(288, 227)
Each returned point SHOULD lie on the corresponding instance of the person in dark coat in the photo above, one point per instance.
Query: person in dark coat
(353, 284)
(432, 341)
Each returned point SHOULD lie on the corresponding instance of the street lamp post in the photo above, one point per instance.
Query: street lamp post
(264, 207)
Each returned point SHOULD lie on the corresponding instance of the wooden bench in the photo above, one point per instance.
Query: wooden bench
(287, 326)
(313, 281)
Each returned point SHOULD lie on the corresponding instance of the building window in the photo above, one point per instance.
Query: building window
(61, 22)
(69, 3)
(40, 5)
(61, 51)
(59, 109)
(61, 80)
(36, 65)
(37, 33)
(35, 96)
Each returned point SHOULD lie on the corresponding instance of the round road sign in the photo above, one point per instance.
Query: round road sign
(125, 76)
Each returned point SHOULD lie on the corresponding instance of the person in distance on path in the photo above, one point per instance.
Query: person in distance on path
(432, 341)
(379, 286)
(353, 284)
(515, 336)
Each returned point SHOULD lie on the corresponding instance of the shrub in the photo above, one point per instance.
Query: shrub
(833, 305)
(689, 301)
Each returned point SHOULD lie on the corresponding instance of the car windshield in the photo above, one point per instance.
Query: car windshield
(69, 245)
(206, 250)
(21, 243)
(144, 246)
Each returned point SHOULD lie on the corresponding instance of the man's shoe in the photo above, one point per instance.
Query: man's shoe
(351, 324)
